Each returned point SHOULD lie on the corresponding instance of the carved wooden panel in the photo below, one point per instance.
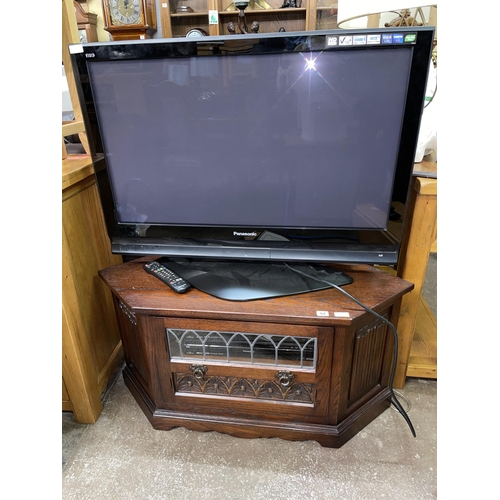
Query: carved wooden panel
(368, 356)
(131, 339)
(130, 315)
(245, 388)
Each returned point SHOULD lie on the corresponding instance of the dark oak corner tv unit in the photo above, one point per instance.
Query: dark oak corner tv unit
(312, 366)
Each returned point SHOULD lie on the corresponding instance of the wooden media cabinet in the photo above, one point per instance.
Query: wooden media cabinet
(314, 366)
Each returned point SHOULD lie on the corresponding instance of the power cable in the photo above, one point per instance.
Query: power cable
(394, 399)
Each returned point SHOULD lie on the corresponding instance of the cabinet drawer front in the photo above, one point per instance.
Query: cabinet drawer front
(240, 382)
(249, 367)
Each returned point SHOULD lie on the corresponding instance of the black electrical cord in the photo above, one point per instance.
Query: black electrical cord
(394, 399)
(432, 96)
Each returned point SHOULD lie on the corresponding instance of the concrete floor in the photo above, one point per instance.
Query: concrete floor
(123, 457)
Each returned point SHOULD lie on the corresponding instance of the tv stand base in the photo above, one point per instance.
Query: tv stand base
(329, 436)
(314, 366)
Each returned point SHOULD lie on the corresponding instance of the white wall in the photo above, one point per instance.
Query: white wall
(385, 17)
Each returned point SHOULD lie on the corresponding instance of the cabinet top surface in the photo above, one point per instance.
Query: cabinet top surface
(145, 294)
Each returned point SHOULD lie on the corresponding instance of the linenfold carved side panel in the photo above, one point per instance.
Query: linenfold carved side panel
(368, 356)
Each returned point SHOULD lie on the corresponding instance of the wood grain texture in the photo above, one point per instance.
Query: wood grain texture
(70, 35)
(247, 428)
(91, 340)
(418, 238)
(79, 375)
(144, 294)
(422, 361)
(329, 401)
(270, 19)
(76, 168)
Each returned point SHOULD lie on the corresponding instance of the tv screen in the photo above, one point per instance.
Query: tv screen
(275, 147)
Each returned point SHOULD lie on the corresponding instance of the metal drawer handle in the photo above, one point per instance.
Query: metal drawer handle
(198, 371)
(284, 378)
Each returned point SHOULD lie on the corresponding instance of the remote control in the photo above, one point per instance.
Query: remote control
(163, 273)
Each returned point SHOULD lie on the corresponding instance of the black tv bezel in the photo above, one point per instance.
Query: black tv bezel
(215, 241)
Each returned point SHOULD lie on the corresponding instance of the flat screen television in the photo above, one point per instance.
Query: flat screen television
(264, 148)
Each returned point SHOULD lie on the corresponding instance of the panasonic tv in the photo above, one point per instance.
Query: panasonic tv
(262, 148)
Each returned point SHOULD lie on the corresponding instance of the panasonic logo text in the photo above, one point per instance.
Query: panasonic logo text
(235, 233)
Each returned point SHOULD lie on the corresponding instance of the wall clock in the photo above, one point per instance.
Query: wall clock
(129, 19)
(196, 32)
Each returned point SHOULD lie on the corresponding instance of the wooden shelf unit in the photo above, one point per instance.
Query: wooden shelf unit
(418, 325)
(91, 345)
(310, 16)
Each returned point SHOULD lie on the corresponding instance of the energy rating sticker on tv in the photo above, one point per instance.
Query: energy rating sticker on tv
(372, 39)
(345, 40)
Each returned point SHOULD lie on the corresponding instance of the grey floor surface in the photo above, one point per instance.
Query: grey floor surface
(123, 457)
